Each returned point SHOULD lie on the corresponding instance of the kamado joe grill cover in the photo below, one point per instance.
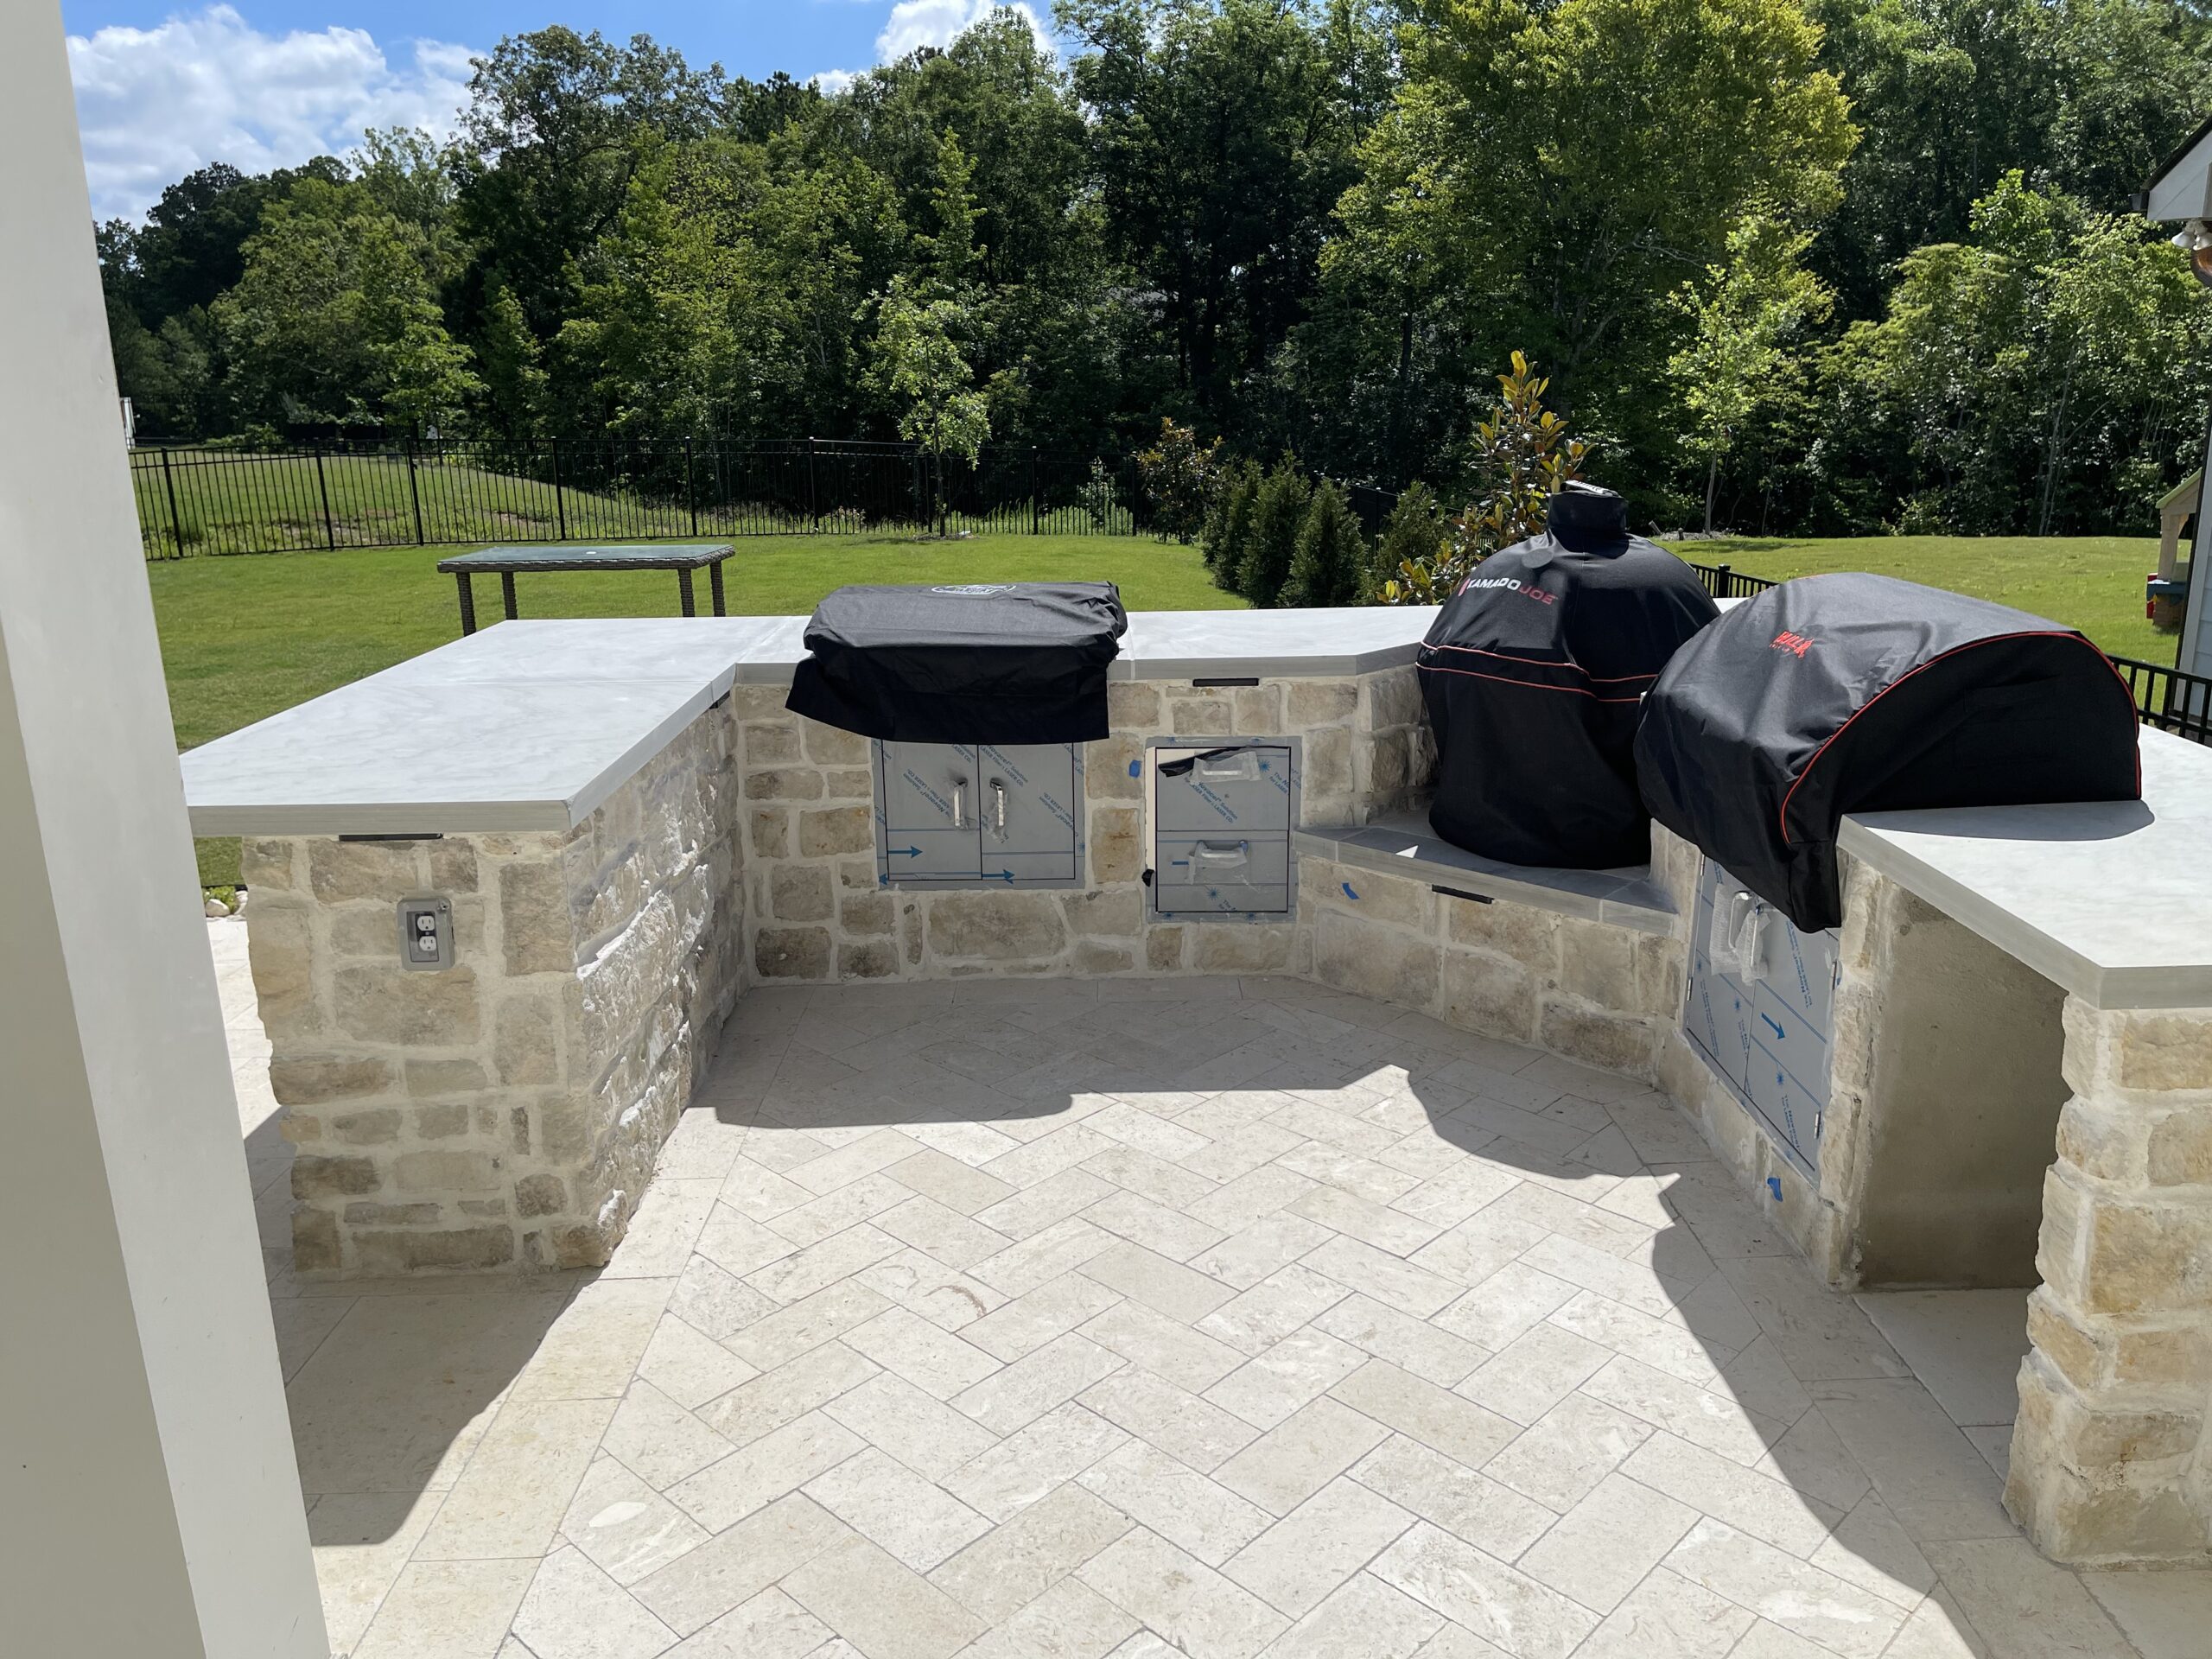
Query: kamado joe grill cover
(976, 663)
(1532, 673)
(1855, 693)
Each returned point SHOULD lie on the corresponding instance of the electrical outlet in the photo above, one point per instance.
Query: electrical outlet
(426, 933)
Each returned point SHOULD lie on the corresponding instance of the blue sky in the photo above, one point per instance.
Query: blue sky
(163, 88)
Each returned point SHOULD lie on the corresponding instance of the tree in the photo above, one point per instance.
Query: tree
(1179, 476)
(1328, 562)
(1415, 533)
(1744, 319)
(916, 363)
(1229, 521)
(1278, 513)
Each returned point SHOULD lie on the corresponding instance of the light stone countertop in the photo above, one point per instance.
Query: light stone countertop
(530, 725)
(2110, 899)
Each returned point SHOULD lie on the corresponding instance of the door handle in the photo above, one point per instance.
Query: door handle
(1243, 767)
(1222, 854)
(998, 804)
(960, 803)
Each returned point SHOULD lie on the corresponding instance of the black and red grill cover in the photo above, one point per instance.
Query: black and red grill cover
(1532, 673)
(1021, 662)
(1856, 693)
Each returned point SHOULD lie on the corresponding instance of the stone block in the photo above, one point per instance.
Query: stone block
(265, 863)
(1132, 705)
(1598, 963)
(1610, 1041)
(2108, 1140)
(771, 742)
(316, 1248)
(867, 959)
(535, 936)
(827, 746)
(867, 915)
(784, 783)
(311, 1079)
(365, 930)
(997, 926)
(1378, 898)
(768, 831)
(1092, 957)
(388, 1004)
(587, 1246)
(1322, 702)
(375, 1128)
(791, 953)
(2180, 1152)
(1116, 844)
(423, 1213)
(1163, 947)
(1200, 717)
(1390, 699)
(453, 866)
(1353, 954)
(1240, 948)
(540, 1195)
(1383, 768)
(1662, 975)
(526, 1038)
(1256, 710)
(1527, 934)
(1328, 772)
(426, 1078)
(800, 893)
(339, 870)
(1113, 769)
(835, 829)
(1118, 914)
(446, 1172)
(757, 701)
(318, 1177)
(2133, 1257)
(1494, 995)
(455, 1248)
(2138, 1052)
(443, 1120)
(280, 950)
(849, 783)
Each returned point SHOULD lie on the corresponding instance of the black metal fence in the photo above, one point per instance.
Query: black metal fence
(2164, 696)
(214, 500)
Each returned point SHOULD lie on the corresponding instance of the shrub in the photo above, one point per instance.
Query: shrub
(1097, 497)
(1178, 476)
(1328, 564)
(1414, 534)
(1229, 521)
(1278, 511)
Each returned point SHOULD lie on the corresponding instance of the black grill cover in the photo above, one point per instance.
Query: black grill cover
(1532, 673)
(1855, 693)
(974, 663)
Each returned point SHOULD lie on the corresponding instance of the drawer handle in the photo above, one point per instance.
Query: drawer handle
(1241, 763)
(998, 792)
(960, 803)
(1226, 853)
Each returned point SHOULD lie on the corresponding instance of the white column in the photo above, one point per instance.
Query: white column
(150, 1500)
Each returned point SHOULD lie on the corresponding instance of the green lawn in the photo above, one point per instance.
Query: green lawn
(2091, 582)
(244, 637)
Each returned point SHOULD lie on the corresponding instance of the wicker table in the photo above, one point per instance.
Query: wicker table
(682, 557)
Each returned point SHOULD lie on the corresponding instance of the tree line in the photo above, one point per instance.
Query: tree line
(1819, 266)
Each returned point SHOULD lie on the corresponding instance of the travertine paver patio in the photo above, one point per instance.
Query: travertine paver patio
(1030, 1319)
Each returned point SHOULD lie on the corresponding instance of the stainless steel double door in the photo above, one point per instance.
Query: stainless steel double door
(970, 815)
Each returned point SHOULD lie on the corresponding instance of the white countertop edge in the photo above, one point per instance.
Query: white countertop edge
(2150, 986)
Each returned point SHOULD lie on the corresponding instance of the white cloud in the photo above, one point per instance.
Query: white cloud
(834, 81)
(154, 104)
(938, 22)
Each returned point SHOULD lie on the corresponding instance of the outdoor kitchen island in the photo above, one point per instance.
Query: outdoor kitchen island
(609, 831)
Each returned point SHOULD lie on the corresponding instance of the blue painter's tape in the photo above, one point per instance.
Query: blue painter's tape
(1348, 893)
(1136, 768)
(1773, 1185)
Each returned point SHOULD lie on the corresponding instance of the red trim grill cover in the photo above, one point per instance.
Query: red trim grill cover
(1857, 693)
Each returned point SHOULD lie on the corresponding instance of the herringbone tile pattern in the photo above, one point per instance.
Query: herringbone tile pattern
(1221, 1318)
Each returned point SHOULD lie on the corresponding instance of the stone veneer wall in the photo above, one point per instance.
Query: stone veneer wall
(817, 914)
(508, 1111)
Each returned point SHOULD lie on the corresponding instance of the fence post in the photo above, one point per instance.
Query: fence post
(329, 530)
(1720, 579)
(169, 483)
(813, 498)
(415, 492)
(690, 499)
(560, 511)
(1036, 507)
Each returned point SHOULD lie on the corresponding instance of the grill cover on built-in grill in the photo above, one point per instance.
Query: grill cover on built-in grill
(1532, 673)
(973, 663)
(1855, 693)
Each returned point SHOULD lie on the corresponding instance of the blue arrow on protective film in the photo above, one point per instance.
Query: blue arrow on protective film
(1001, 876)
(1770, 1020)
(902, 852)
